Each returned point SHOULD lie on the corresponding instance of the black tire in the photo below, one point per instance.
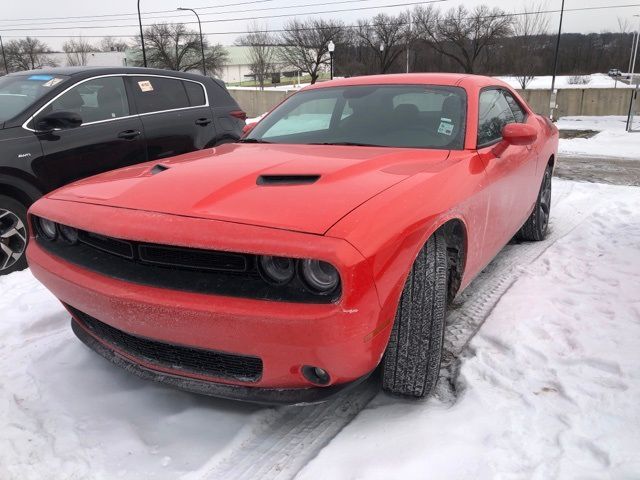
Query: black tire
(411, 363)
(13, 235)
(536, 226)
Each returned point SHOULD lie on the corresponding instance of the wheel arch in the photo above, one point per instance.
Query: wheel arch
(19, 189)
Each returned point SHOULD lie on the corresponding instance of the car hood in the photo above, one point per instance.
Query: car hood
(305, 188)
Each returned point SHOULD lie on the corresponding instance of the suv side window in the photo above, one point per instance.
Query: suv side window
(157, 94)
(94, 100)
(517, 110)
(195, 92)
(494, 114)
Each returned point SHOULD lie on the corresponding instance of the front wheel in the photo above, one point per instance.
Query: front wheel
(411, 363)
(13, 235)
(535, 228)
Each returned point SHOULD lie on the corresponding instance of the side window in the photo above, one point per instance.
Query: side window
(156, 94)
(195, 92)
(95, 100)
(517, 110)
(495, 113)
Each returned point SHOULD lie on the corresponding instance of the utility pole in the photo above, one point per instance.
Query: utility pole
(4, 57)
(633, 44)
(632, 70)
(408, 41)
(144, 53)
(204, 63)
(554, 93)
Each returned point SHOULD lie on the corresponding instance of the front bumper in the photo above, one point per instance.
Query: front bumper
(268, 396)
(346, 338)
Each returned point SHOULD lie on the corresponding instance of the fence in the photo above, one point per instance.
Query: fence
(571, 102)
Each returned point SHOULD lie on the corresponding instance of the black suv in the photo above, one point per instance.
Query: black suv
(63, 124)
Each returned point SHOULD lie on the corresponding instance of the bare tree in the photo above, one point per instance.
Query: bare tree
(528, 30)
(262, 53)
(460, 34)
(174, 47)
(27, 54)
(304, 44)
(386, 37)
(77, 52)
(624, 25)
(110, 44)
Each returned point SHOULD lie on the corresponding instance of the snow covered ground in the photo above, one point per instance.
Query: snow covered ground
(595, 80)
(548, 388)
(612, 140)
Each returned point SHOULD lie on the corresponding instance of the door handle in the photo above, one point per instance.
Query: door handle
(203, 121)
(129, 134)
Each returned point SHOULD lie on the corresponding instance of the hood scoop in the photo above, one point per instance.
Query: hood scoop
(281, 180)
(159, 168)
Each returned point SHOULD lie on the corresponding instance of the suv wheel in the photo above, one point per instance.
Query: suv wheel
(13, 235)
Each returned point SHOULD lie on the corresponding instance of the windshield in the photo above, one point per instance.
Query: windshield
(412, 116)
(18, 92)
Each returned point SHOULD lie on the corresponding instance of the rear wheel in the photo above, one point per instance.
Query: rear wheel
(411, 362)
(535, 228)
(13, 235)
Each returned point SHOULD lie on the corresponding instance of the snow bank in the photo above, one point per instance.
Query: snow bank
(596, 80)
(550, 385)
(612, 141)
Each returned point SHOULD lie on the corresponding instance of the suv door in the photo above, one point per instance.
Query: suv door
(175, 114)
(109, 137)
(511, 174)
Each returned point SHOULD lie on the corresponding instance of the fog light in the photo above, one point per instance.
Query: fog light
(46, 228)
(69, 234)
(316, 375)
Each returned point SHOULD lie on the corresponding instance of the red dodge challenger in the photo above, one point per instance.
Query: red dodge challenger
(326, 243)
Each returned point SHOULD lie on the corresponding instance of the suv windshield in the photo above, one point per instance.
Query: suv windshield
(412, 116)
(18, 92)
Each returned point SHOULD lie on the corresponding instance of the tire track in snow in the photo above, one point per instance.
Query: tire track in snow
(295, 435)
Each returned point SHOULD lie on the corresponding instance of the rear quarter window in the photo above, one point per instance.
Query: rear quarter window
(196, 94)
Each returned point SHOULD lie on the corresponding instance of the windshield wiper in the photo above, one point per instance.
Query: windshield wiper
(348, 144)
(252, 140)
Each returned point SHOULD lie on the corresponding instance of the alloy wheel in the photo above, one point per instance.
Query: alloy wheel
(13, 239)
(545, 200)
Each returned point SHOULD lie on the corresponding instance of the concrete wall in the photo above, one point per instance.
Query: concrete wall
(257, 102)
(571, 102)
(575, 102)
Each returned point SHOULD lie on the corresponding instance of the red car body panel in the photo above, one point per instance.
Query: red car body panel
(369, 214)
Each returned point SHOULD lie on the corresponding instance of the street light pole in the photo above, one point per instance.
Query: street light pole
(4, 57)
(555, 64)
(331, 47)
(204, 63)
(144, 53)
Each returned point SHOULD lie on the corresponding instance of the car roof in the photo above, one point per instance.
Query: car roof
(447, 79)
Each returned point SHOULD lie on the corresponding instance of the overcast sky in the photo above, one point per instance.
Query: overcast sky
(22, 18)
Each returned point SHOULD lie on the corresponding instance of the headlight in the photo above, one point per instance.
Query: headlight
(276, 270)
(320, 277)
(46, 228)
(68, 234)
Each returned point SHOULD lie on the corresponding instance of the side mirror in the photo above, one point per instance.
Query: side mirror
(519, 134)
(248, 127)
(58, 121)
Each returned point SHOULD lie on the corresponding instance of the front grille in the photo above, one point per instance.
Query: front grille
(179, 268)
(176, 357)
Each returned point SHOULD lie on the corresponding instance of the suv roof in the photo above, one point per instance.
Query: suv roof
(91, 71)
